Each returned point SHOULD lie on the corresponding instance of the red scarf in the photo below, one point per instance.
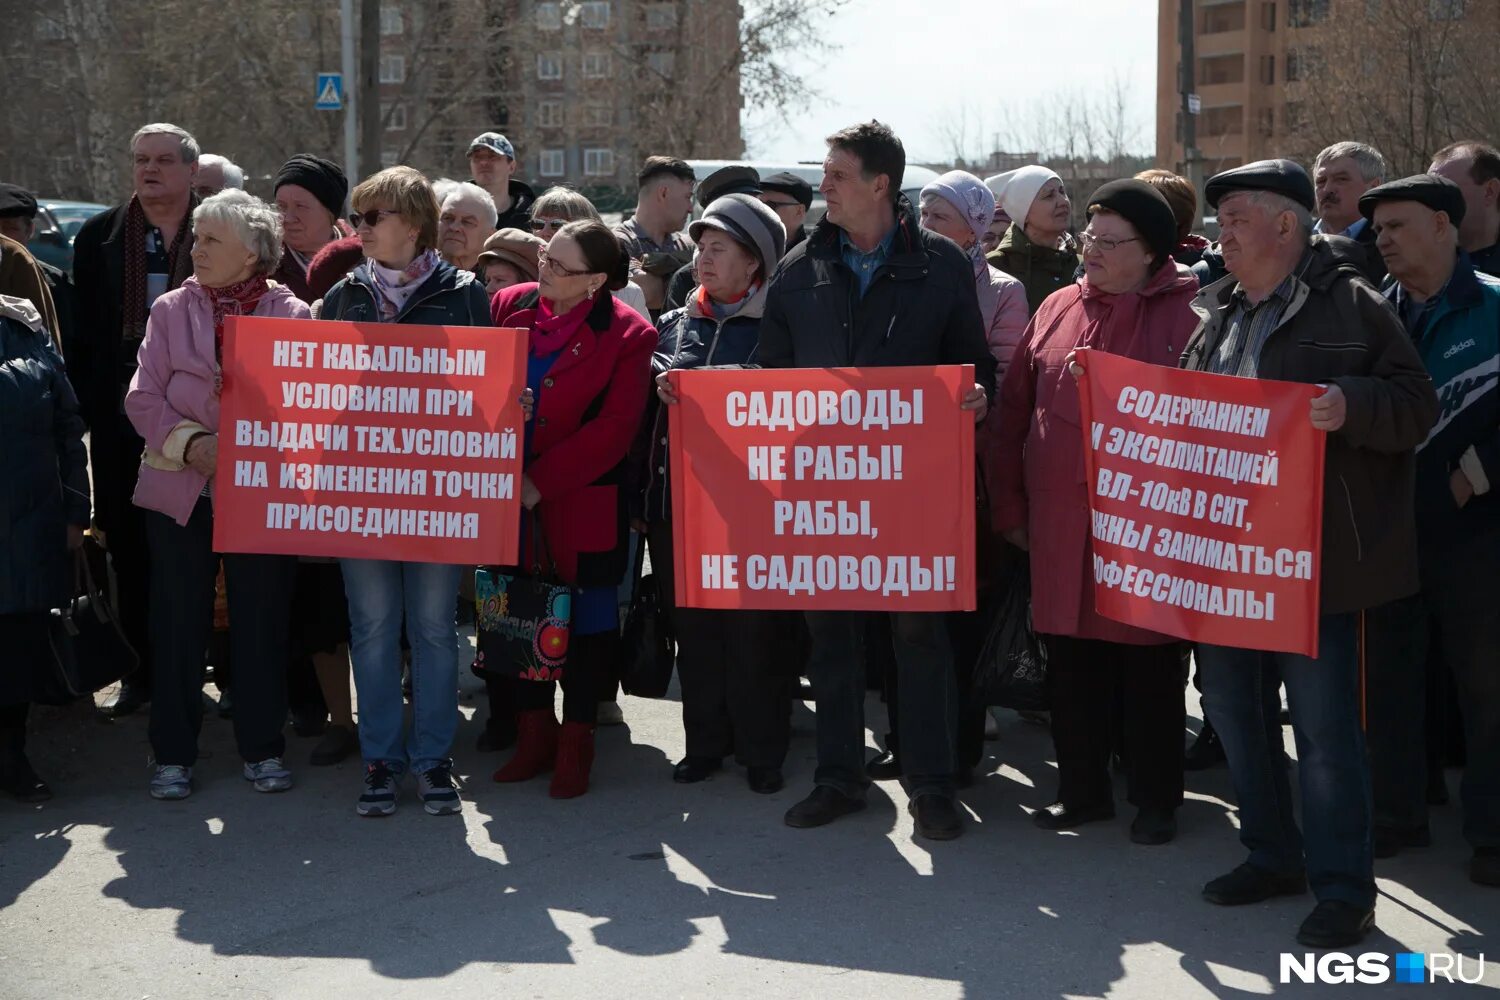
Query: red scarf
(550, 332)
(239, 299)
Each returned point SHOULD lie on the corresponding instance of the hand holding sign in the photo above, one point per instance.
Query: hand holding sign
(1329, 409)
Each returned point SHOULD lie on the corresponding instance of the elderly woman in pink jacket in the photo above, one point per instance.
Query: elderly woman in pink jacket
(174, 403)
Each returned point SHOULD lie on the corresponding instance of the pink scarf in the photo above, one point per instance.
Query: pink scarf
(550, 332)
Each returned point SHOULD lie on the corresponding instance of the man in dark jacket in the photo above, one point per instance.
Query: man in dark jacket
(18, 210)
(123, 259)
(1453, 315)
(1475, 167)
(789, 197)
(1293, 308)
(870, 289)
(1341, 173)
(492, 164)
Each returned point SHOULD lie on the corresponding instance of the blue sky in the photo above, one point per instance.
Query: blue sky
(924, 66)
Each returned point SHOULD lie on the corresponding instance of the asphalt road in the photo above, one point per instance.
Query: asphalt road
(642, 888)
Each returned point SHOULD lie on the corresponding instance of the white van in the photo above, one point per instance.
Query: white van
(912, 181)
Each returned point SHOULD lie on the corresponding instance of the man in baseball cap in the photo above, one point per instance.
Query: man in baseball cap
(492, 164)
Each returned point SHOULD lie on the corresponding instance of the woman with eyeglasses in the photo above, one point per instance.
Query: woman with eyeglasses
(403, 280)
(589, 374)
(559, 206)
(1133, 300)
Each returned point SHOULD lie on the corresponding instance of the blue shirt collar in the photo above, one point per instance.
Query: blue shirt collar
(883, 250)
(1355, 228)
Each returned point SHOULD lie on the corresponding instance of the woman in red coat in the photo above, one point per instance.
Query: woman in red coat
(589, 373)
(1134, 301)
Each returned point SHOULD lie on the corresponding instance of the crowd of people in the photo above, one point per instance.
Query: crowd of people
(1378, 290)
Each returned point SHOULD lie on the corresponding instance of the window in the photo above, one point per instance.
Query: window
(1303, 64)
(1267, 69)
(596, 65)
(390, 19)
(394, 117)
(1301, 13)
(1268, 16)
(1266, 121)
(1445, 10)
(596, 14)
(1227, 120)
(663, 64)
(548, 66)
(549, 16)
(598, 162)
(598, 115)
(392, 69)
(549, 114)
(661, 17)
(551, 163)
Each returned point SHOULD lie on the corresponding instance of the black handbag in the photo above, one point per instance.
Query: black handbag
(524, 619)
(649, 654)
(1012, 667)
(89, 649)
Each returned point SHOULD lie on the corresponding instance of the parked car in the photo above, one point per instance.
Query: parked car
(912, 181)
(57, 222)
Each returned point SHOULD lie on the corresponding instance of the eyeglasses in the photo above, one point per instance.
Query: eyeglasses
(371, 218)
(542, 260)
(537, 225)
(1106, 243)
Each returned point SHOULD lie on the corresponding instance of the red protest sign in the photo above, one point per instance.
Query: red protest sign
(370, 441)
(1206, 497)
(823, 489)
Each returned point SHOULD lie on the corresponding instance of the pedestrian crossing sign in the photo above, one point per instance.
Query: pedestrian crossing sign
(330, 92)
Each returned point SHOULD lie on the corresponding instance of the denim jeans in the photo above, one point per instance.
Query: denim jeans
(381, 594)
(1323, 694)
(926, 686)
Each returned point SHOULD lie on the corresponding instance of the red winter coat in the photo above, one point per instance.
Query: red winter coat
(588, 410)
(1036, 459)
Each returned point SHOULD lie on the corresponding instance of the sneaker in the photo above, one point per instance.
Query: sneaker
(610, 714)
(381, 786)
(438, 790)
(171, 781)
(269, 775)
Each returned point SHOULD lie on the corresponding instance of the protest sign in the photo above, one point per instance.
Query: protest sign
(823, 489)
(1206, 503)
(370, 441)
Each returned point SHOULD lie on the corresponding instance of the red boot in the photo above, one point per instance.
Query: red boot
(536, 746)
(575, 756)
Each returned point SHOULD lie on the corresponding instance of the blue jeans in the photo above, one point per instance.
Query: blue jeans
(381, 594)
(1239, 694)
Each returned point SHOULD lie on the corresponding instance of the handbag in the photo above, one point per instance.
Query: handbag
(524, 619)
(650, 651)
(89, 649)
(1012, 668)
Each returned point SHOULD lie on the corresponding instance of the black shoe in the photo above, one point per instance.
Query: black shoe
(936, 817)
(494, 739)
(306, 723)
(1484, 866)
(1153, 827)
(131, 698)
(338, 743)
(691, 770)
(885, 766)
(1206, 751)
(1334, 923)
(18, 780)
(1059, 817)
(822, 807)
(1249, 884)
(765, 780)
(1390, 841)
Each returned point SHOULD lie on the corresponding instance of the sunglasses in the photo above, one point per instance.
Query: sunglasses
(371, 218)
(538, 225)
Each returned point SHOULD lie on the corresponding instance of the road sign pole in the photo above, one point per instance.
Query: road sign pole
(351, 91)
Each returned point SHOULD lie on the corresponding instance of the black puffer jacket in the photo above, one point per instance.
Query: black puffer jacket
(921, 307)
(449, 297)
(46, 486)
(1339, 330)
(688, 339)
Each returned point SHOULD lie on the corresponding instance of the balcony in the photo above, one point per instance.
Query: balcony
(1228, 68)
(1220, 18)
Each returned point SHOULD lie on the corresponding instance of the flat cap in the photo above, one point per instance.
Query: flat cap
(16, 202)
(513, 246)
(1437, 193)
(735, 179)
(791, 185)
(1283, 177)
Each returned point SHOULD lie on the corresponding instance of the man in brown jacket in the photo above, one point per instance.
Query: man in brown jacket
(1296, 308)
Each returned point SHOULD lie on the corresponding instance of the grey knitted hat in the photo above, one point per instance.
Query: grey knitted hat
(749, 222)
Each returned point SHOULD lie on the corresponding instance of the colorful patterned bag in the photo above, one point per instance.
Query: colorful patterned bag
(524, 620)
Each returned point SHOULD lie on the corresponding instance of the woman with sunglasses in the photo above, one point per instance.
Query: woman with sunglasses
(403, 280)
(559, 206)
(589, 374)
(1133, 300)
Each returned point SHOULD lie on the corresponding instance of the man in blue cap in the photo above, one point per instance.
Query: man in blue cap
(492, 165)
